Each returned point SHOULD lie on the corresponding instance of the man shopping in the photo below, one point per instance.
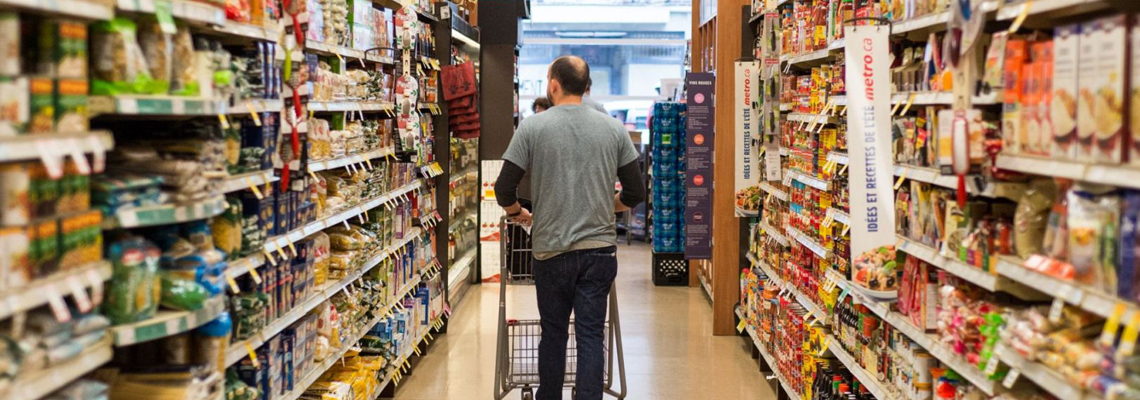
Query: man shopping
(573, 154)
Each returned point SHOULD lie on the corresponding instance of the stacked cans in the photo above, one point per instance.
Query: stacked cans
(668, 188)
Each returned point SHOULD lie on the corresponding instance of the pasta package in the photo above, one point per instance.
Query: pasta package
(183, 81)
(134, 289)
(158, 47)
(118, 65)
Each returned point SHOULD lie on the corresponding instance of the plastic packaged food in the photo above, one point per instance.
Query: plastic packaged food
(158, 48)
(1093, 237)
(134, 289)
(118, 64)
(182, 294)
(1032, 217)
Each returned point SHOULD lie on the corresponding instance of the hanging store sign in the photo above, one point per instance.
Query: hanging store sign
(869, 137)
(700, 87)
(747, 125)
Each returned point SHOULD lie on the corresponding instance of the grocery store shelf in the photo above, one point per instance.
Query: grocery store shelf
(461, 267)
(355, 159)
(800, 297)
(341, 106)
(838, 158)
(166, 214)
(1006, 190)
(156, 105)
(244, 181)
(71, 8)
(1046, 378)
(772, 190)
(929, 342)
(238, 349)
(785, 107)
(31, 147)
(337, 50)
(168, 323)
(1087, 298)
(840, 216)
(768, 359)
(471, 43)
(249, 31)
(428, 15)
(186, 10)
(755, 17)
(816, 58)
(810, 181)
(975, 275)
(813, 118)
(403, 357)
(1115, 175)
(808, 242)
(1046, 11)
(462, 174)
(924, 24)
(244, 107)
(36, 293)
(240, 267)
(868, 380)
(774, 233)
(298, 234)
(44, 381)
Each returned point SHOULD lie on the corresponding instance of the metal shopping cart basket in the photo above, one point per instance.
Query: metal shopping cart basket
(516, 361)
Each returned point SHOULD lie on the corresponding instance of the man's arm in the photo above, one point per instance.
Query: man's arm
(632, 187)
(506, 192)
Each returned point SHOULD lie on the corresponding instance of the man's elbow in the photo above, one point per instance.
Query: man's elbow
(631, 200)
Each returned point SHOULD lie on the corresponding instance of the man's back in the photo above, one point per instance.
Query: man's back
(572, 154)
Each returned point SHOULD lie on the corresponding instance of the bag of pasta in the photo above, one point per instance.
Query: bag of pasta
(134, 288)
(118, 65)
(158, 47)
(183, 79)
(321, 260)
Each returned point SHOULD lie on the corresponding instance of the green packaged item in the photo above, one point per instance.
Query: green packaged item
(41, 103)
(182, 294)
(118, 64)
(134, 289)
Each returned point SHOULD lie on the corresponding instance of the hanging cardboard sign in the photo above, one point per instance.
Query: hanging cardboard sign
(869, 137)
(747, 125)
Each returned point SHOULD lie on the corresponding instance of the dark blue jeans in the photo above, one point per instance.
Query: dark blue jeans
(577, 281)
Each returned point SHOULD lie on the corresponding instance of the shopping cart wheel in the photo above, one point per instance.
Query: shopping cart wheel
(527, 394)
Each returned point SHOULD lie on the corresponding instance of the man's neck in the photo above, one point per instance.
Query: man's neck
(569, 100)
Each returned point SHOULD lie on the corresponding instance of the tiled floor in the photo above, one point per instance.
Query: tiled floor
(669, 347)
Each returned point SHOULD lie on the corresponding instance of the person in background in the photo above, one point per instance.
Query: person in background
(588, 102)
(540, 104)
(573, 155)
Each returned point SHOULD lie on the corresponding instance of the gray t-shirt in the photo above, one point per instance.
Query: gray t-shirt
(572, 154)
(588, 102)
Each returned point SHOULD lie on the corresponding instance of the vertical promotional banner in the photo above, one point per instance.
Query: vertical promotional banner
(869, 138)
(747, 125)
(700, 87)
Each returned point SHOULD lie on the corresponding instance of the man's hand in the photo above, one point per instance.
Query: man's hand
(524, 218)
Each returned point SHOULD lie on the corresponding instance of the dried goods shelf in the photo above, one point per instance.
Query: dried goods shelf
(247, 180)
(468, 41)
(1006, 190)
(402, 360)
(266, 33)
(342, 162)
(156, 105)
(342, 51)
(810, 181)
(768, 359)
(838, 158)
(840, 216)
(240, 349)
(773, 233)
(986, 280)
(811, 244)
(38, 292)
(1046, 378)
(1083, 296)
(1045, 12)
(248, 106)
(866, 378)
(1115, 175)
(186, 10)
(349, 105)
(40, 383)
(70, 8)
(772, 190)
(296, 235)
(35, 146)
(168, 323)
(800, 297)
(811, 118)
(166, 214)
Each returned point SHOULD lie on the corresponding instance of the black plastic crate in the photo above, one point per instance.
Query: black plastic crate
(670, 269)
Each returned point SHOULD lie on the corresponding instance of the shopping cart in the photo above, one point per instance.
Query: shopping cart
(516, 362)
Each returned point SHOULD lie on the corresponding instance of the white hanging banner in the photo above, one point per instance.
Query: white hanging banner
(747, 125)
(869, 137)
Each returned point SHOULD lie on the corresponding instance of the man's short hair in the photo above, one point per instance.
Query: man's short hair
(572, 73)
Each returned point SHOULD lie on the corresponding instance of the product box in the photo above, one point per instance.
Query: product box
(15, 265)
(1088, 81)
(1016, 52)
(1109, 95)
(44, 251)
(41, 105)
(9, 43)
(69, 54)
(14, 105)
(1044, 136)
(81, 239)
(71, 106)
(1134, 108)
(1063, 107)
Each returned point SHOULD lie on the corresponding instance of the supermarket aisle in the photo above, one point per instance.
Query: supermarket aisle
(670, 350)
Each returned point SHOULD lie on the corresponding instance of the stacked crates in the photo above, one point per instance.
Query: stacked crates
(668, 147)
